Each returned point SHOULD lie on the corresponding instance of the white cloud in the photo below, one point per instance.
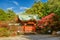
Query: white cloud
(10, 8)
(23, 8)
(16, 3)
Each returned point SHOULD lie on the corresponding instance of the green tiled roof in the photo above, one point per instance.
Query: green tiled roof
(28, 17)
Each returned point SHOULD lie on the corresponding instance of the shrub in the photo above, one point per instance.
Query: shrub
(4, 32)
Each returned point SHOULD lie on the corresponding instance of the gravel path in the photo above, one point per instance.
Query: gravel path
(31, 37)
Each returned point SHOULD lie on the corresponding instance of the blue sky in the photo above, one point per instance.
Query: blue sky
(16, 5)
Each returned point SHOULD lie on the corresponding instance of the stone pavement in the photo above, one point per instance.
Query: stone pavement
(31, 37)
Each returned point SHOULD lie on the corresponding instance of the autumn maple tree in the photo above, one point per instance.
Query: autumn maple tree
(49, 22)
